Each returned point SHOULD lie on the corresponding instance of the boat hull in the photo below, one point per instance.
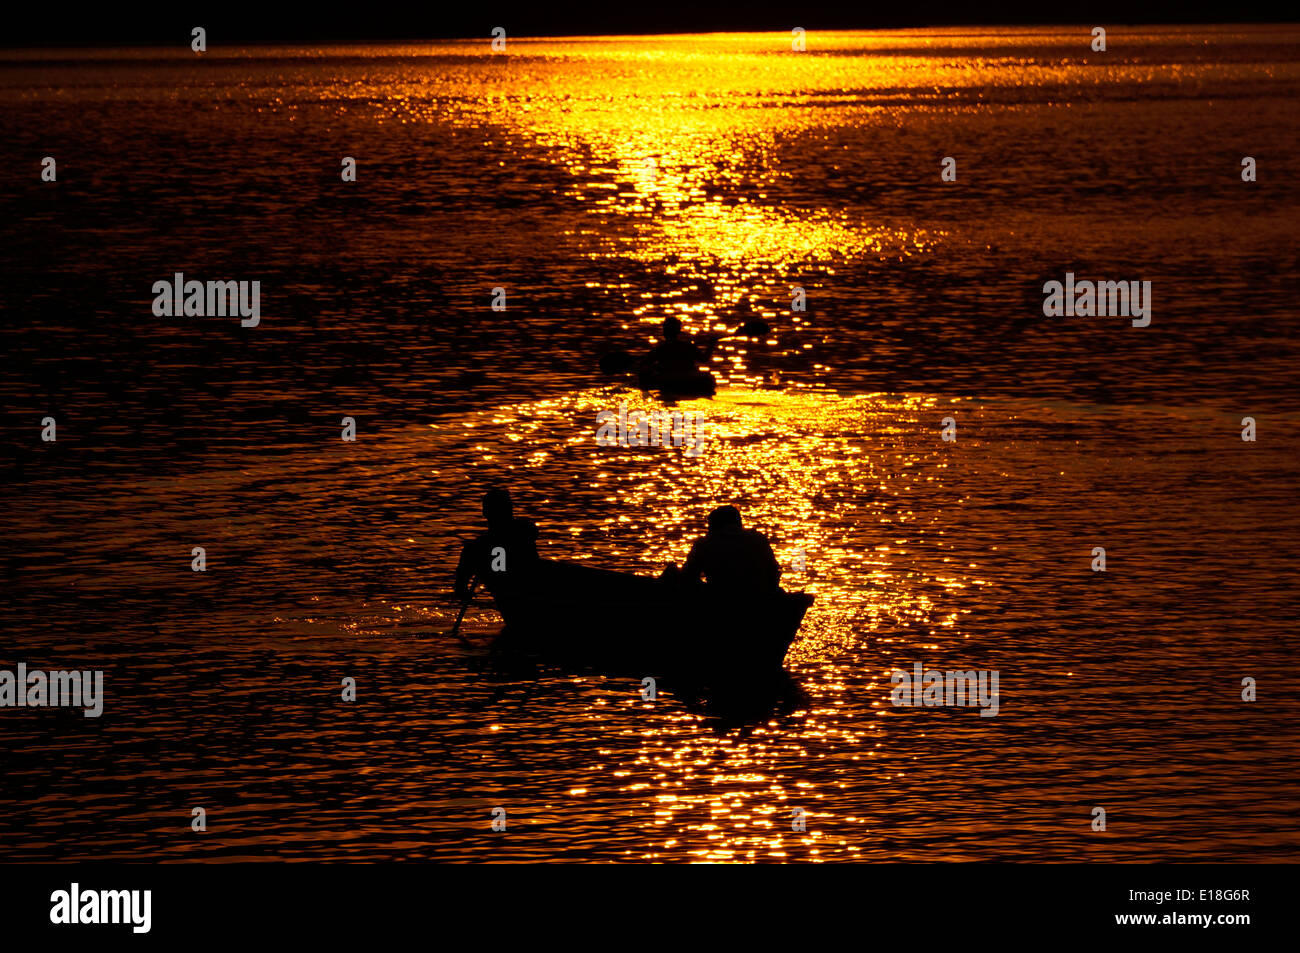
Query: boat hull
(580, 615)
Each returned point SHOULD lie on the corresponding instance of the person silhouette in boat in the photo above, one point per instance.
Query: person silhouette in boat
(734, 560)
(673, 358)
(502, 555)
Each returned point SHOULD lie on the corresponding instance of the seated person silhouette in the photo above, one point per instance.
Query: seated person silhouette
(735, 561)
(672, 358)
(503, 554)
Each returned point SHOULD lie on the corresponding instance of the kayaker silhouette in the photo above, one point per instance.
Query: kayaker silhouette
(733, 560)
(502, 554)
(674, 356)
(672, 366)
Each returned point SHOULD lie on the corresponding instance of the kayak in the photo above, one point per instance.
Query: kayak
(694, 384)
(577, 614)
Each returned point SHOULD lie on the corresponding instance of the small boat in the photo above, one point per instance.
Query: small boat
(694, 384)
(575, 614)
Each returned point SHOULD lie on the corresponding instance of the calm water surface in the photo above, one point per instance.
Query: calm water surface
(607, 183)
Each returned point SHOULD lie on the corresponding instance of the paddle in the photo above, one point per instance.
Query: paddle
(455, 628)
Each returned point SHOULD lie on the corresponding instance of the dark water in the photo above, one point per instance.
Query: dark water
(606, 184)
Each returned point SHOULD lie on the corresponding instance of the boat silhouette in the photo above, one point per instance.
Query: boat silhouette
(578, 615)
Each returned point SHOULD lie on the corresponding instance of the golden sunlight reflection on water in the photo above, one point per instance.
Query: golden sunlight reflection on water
(724, 171)
(846, 482)
(675, 138)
